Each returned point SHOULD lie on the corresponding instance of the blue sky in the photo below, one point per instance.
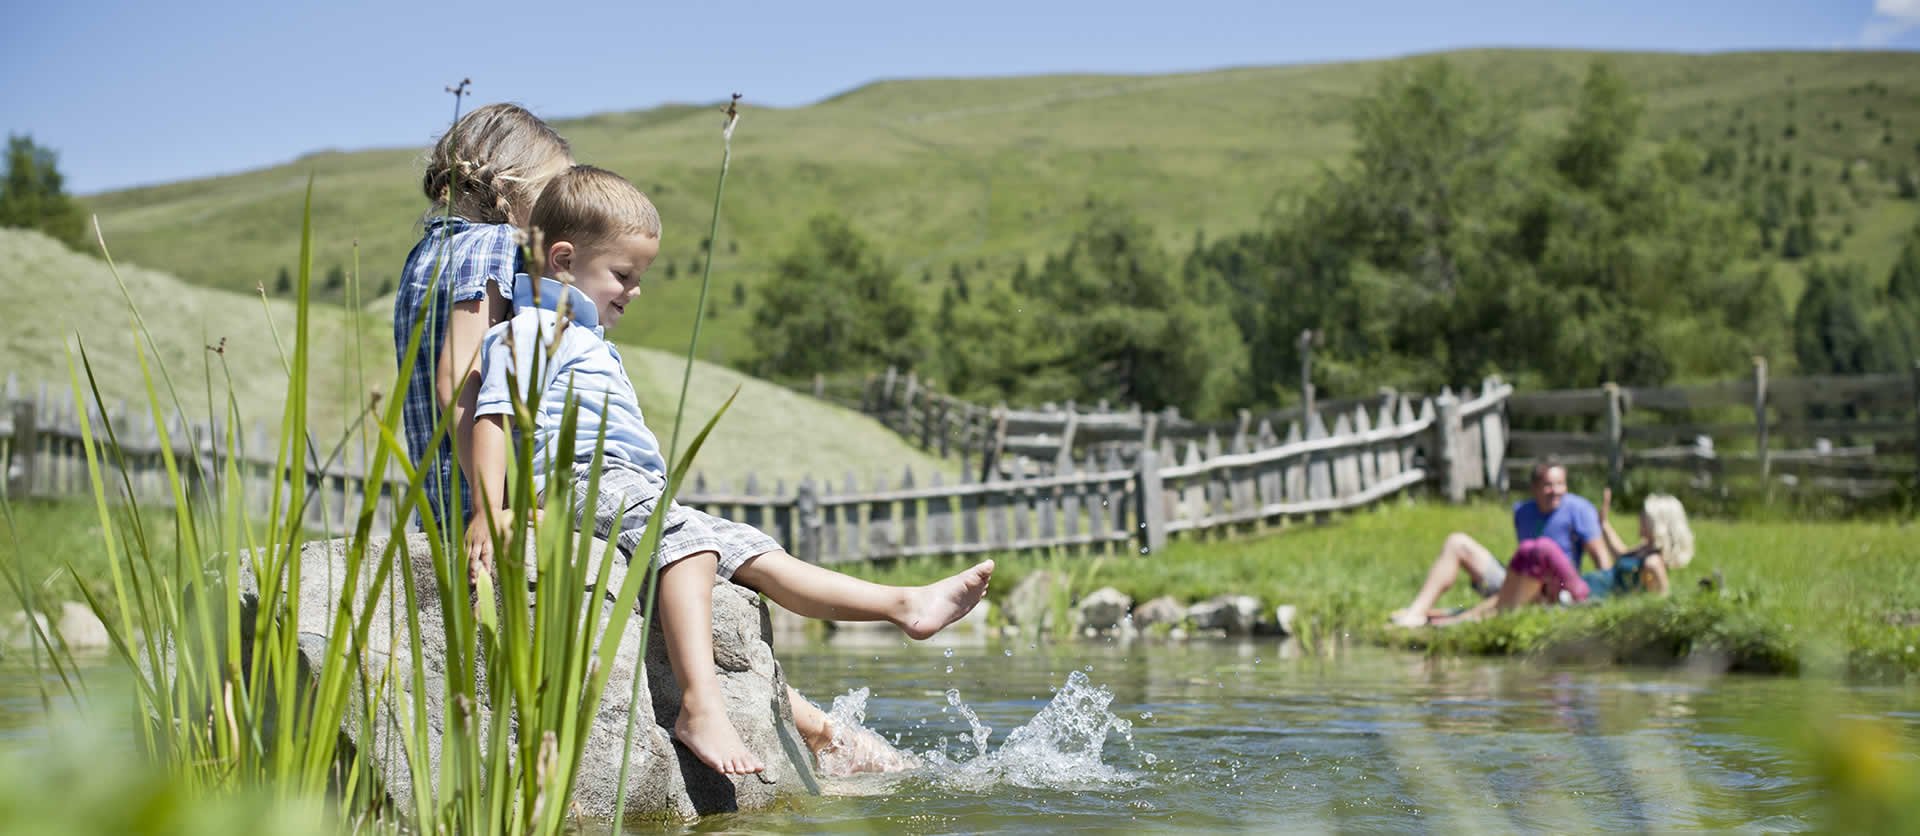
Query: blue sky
(134, 93)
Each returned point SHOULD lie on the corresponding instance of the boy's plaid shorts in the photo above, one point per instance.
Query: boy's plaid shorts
(626, 501)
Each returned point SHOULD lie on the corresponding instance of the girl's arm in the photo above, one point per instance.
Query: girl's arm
(1653, 575)
(1615, 546)
(458, 371)
(491, 513)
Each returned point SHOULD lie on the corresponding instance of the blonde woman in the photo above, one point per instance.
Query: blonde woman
(1666, 543)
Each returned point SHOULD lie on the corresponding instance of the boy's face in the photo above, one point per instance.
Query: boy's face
(608, 272)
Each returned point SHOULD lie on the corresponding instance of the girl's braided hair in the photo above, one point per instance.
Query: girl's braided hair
(490, 165)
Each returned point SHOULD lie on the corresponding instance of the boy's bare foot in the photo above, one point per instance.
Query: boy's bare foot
(858, 750)
(712, 738)
(932, 607)
(1407, 618)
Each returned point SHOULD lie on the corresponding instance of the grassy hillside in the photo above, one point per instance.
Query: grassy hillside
(983, 172)
(770, 431)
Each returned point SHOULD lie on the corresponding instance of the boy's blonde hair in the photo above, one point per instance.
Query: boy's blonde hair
(1671, 535)
(493, 162)
(587, 205)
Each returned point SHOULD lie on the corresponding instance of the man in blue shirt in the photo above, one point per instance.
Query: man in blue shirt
(1569, 520)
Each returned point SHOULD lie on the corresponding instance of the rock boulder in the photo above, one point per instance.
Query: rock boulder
(664, 780)
(1165, 609)
(1102, 610)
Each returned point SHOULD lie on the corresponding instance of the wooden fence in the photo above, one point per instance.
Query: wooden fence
(1002, 439)
(1099, 501)
(43, 453)
(1856, 435)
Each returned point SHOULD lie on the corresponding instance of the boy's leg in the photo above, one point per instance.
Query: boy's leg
(810, 721)
(818, 592)
(1459, 553)
(686, 614)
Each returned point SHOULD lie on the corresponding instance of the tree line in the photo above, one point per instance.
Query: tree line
(1453, 243)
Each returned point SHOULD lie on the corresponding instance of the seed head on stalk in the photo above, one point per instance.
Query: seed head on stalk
(733, 118)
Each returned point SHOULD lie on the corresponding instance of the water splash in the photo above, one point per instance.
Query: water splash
(1060, 748)
(977, 731)
(856, 748)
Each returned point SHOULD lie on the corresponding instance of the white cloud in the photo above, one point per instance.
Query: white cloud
(1891, 19)
(1907, 10)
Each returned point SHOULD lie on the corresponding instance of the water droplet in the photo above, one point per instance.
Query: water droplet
(949, 669)
(1146, 715)
(949, 653)
(1143, 549)
(1010, 652)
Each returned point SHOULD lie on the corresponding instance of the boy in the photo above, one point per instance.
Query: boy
(601, 234)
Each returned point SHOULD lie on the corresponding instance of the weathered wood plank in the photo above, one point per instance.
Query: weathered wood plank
(1559, 403)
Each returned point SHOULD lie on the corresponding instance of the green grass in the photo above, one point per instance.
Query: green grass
(770, 431)
(1811, 597)
(944, 171)
(44, 538)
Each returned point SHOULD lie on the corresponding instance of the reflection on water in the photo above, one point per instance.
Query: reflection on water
(1249, 736)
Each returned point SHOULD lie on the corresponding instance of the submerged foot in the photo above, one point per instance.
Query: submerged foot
(857, 749)
(712, 738)
(934, 606)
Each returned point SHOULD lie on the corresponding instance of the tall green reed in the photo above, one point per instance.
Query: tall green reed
(233, 705)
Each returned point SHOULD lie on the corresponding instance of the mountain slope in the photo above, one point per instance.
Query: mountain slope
(63, 298)
(983, 172)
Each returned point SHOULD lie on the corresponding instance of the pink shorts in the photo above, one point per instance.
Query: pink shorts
(1542, 560)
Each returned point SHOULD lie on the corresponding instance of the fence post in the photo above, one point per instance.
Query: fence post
(819, 385)
(907, 407)
(1153, 510)
(887, 400)
(806, 523)
(1306, 371)
(1916, 423)
(26, 438)
(1452, 435)
(1616, 437)
(1760, 418)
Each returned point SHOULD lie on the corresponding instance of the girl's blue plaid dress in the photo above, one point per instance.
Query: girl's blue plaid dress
(461, 257)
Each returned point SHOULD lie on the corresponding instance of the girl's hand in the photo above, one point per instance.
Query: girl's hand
(1606, 503)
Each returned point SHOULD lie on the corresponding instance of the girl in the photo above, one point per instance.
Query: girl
(482, 177)
(1666, 543)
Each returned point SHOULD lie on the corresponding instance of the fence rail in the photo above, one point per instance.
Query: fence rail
(1003, 439)
(1124, 480)
(1102, 500)
(1859, 435)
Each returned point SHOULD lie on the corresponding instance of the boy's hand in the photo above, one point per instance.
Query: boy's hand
(1606, 503)
(480, 536)
(479, 539)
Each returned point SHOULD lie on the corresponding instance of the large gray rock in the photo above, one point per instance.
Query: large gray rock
(1165, 609)
(1102, 610)
(81, 629)
(664, 780)
(1030, 604)
(17, 634)
(1236, 614)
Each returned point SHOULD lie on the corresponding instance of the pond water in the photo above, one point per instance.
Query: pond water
(1221, 735)
(1250, 736)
